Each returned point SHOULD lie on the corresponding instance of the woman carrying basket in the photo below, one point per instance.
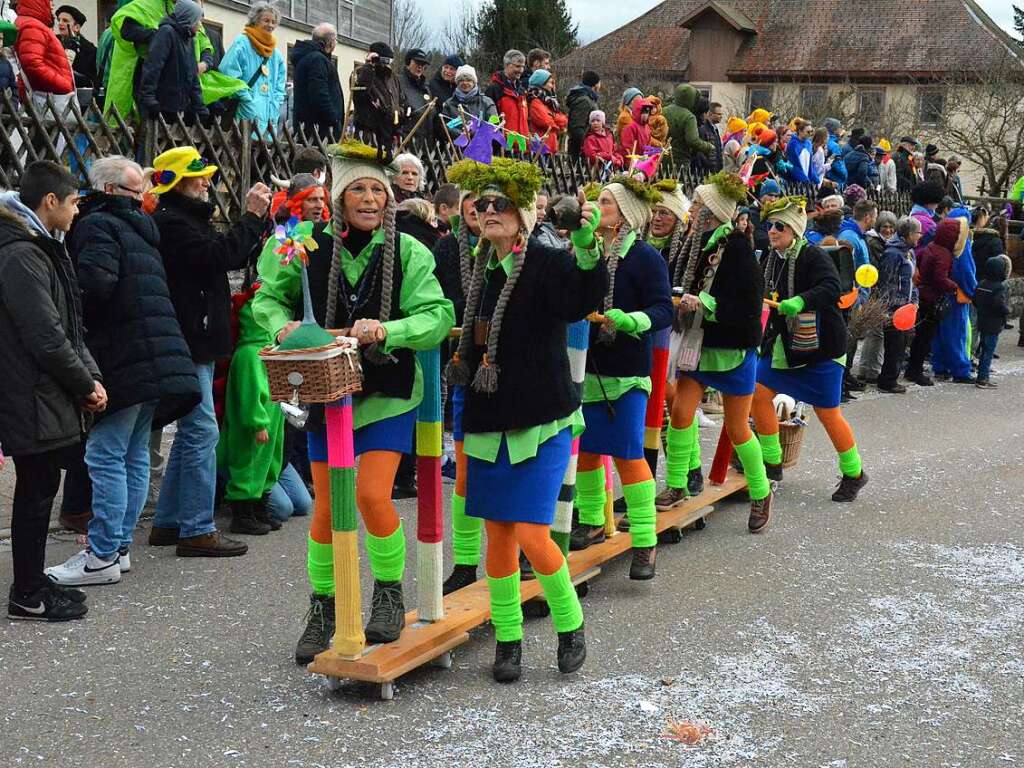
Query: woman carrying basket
(803, 353)
(719, 325)
(379, 286)
(521, 408)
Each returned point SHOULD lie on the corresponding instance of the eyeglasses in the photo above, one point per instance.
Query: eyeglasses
(778, 226)
(500, 204)
(661, 213)
(130, 191)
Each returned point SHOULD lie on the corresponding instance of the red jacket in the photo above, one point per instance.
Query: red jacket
(42, 57)
(635, 137)
(544, 120)
(935, 263)
(600, 148)
(511, 104)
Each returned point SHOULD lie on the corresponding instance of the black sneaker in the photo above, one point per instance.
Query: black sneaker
(572, 650)
(985, 384)
(695, 482)
(508, 661)
(642, 566)
(964, 380)
(584, 535)
(72, 594)
(853, 384)
(462, 576)
(387, 612)
(243, 519)
(849, 487)
(893, 389)
(943, 377)
(404, 490)
(774, 472)
(45, 604)
(760, 514)
(316, 637)
(920, 379)
(847, 396)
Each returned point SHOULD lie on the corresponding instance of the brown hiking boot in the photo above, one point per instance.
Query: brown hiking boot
(668, 498)
(76, 521)
(210, 545)
(162, 537)
(760, 514)
(642, 567)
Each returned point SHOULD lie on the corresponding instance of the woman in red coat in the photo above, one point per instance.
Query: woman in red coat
(44, 64)
(599, 144)
(547, 119)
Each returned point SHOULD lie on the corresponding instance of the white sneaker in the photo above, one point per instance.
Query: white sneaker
(703, 421)
(126, 561)
(84, 569)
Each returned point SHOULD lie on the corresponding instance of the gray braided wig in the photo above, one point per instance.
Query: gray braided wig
(608, 332)
(689, 255)
(373, 353)
(465, 259)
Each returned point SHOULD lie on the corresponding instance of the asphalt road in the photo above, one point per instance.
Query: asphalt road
(883, 633)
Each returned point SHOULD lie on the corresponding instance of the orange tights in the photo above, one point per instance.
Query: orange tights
(630, 470)
(832, 419)
(504, 541)
(374, 480)
(737, 409)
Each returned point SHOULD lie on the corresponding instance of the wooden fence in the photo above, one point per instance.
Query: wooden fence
(76, 135)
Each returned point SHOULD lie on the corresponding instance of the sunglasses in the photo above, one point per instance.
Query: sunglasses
(501, 204)
(778, 226)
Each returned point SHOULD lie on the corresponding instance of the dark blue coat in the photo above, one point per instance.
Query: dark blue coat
(170, 73)
(130, 325)
(860, 169)
(318, 99)
(896, 273)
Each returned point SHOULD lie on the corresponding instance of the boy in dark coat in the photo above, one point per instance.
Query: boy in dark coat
(991, 299)
(170, 74)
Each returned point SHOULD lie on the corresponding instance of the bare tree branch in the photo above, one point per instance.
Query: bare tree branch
(410, 26)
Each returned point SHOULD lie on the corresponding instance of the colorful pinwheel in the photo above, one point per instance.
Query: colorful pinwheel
(296, 240)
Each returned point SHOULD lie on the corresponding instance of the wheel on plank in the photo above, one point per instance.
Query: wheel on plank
(700, 524)
(387, 691)
(583, 589)
(332, 683)
(444, 661)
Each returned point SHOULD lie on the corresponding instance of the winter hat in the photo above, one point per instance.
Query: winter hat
(770, 187)
(590, 78)
(721, 193)
(931, 151)
(767, 137)
(832, 125)
(187, 13)
(597, 114)
(352, 160)
(735, 125)
(453, 61)
(853, 193)
(466, 72)
(539, 78)
(790, 211)
(73, 12)
(673, 199)
(998, 268)
(629, 94)
(635, 209)
(760, 116)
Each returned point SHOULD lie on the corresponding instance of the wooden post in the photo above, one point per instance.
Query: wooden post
(349, 639)
(429, 523)
(245, 160)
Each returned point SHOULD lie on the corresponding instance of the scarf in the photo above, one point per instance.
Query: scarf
(263, 42)
(467, 96)
(549, 98)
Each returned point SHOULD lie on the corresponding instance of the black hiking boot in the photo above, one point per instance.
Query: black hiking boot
(642, 567)
(508, 661)
(584, 535)
(243, 519)
(316, 637)
(849, 487)
(774, 472)
(695, 482)
(263, 515)
(387, 612)
(572, 650)
(462, 576)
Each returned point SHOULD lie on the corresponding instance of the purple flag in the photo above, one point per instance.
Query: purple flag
(481, 148)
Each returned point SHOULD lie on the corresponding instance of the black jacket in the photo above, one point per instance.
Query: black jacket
(985, 244)
(416, 97)
(440, 88)
(84, 65)
(817, 281)
(170, 74)
(535, 385)
(711, 163)
(641, 284)
(130, 326)
(378, 104)
(45, 368)
(411, 224)
(197, 259)
(905, 179)
(580, 102)
(991, 297)
(318, 99)
(448, 273)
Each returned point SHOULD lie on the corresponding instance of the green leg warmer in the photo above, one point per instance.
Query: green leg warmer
(387, 555)
(640, 508)
(677, 455)
(771, 448)
(849, 462)
(590, 496)
(566, 612)
(320, 567)
(695, 449)
(753, 468)
(506, 609)
(466, 533)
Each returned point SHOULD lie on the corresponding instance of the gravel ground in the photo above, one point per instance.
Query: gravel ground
(882, 633)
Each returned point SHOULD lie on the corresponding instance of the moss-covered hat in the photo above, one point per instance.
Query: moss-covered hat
(672, 198)
(721, 193)
(634, 199)
(352, 160)
(517, 180)
(790, 210)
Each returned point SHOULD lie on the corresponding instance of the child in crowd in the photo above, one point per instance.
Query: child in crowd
(991, 301)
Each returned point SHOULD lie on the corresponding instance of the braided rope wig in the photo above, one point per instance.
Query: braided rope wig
(676, 243)
(686, 262)
(607, 333)
(465, 259)
(457, 370)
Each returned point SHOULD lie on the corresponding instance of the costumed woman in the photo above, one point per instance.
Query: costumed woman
(254, 59)
(951, 350)
(719, 326)
(803, 354)
(521, 407)
(380, 286)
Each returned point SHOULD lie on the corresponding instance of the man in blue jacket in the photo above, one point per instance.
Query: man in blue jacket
(319, 101)
(852, 231)
(837, 172)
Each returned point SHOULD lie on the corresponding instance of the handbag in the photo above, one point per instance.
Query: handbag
(692, 340)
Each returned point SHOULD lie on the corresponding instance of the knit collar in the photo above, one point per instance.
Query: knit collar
(627, 243)
(794, 249)
(262, 41)
(467, 96)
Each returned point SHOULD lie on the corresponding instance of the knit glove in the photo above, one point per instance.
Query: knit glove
(584, 237)
(628, 322)
(790, 307)
(722, 232)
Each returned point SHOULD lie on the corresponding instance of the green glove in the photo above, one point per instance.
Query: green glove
(584, 237)
(723, 231)
(622, 321)
(791, 307)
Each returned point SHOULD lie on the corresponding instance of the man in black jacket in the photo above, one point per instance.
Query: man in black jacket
(319, 100)
(49, 380)
(81, 52)
(197, 259)
(416, 95)
(581, 101)
(134, 336)
(377, 96)
(708, 130)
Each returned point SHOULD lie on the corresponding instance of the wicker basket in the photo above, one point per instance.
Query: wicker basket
(318, 375)
(791, 436)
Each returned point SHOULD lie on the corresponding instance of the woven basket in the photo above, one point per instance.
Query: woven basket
(318, 375)
(791, 436)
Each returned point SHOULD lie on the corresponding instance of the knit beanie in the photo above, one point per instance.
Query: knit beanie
(539, 78)
(347, 170)
(790, 211)
(721, 194)
(676, 202)
(465, 72)
(629, 94)
(635, 211)
(590, 79)
(735, 125)
(597, 114)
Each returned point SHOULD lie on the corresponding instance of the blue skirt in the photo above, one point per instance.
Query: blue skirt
(740, 381)
(391, 434)
(819, 385)
(526, 492)
(458, 394)
(620, 435)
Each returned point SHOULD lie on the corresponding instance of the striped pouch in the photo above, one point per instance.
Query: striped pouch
(804, 332)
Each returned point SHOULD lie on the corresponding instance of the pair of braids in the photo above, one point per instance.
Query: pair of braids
(486, 379)
(686, 264)
(465, 259)
(457, 370)
(675, 245)
(608, 332)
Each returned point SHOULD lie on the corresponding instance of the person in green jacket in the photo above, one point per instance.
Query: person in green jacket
(682, 127)
(379, 285)
(132, 27)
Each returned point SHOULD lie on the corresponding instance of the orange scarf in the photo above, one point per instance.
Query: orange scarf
(262, 41)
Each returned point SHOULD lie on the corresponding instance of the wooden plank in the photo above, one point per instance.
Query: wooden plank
(468, 608)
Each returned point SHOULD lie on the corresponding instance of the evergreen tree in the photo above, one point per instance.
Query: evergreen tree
(1018, 21)
(524, 24)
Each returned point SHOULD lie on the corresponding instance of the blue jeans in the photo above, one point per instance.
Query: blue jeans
(117, 455)
(985, 352)
(190, 479)
(289, 496)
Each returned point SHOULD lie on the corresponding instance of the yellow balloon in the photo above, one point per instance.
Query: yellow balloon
(867, 275)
